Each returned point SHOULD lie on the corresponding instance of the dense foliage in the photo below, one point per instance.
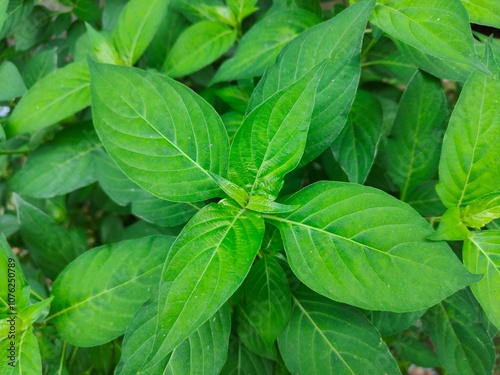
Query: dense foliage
(249, 186)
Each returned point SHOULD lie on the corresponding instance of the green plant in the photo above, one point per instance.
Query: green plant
(281, 207)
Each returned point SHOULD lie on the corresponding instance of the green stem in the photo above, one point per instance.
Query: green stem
(20, 151)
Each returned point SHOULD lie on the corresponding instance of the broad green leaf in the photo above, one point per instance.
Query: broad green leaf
(356, 145)
(242, 8)
(111, 12)
(414, 147)
(61, 166)
(40, 65)
(483, 12)
(136, 27)
(12, 82)
(263, 42)
(3, 12)
(425, 200)
(444, 69)
(481, 254)
(51, 246)
(144, 205)
(58, 95)
(438, 28)
(389, 323)
(266, 301)
(481, 211)
(460, 339)
(97, 295)
(198, 46)
(17, 11)
(271, 140)
(161, 134)
(14, 295)
(242, 361)
(208, 262)
(26, 359)
(325, 337)
(361, 246)
(450, 227)
(339, 82)
(204, 352)
(469, 168)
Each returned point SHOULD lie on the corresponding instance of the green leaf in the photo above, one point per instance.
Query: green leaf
(356, 146)
(251, 336)
(411, 348)
(242, 8)
(242, 361)
(462, 342)
(389, 323)
(14, 296)
(414, 147)
(61, 166)
(136, 27)
(324, 337)
(469, 168)
(17, 11)
(144, 205)
(161, 134)
(444, 69)
(260, 204)
(113, 282)
(12, 82)
(263, 42)
(425, 200)
(438, 28)
(450, 227)
(483, 12)
(27, 358)
(40, 65)
(208, 262)
(102, 48)
(3, 12)
(482, 211)
(8, 224)
(51, 246)
(481, 254)
(35, 312)
(361, 246)
(266, 301)
(198, 46)
(204, 352)
(58, 95)
(271, 140)
(339, 82)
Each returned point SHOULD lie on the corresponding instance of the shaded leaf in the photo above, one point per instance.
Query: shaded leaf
(12, 82)
(241, 361)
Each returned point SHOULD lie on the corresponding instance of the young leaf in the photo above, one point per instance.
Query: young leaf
(413, 151)
(55, 97)
(242, 361)
(356, 146)
(51, 246)
(162, 135)
(262, 43)
(208, 262)
(266, 301)
(483, 12)
(339, 82)
(97, 295)
(438, 28)
(12, 82)
(198, 46)
(481, 254)
(462, 342)
(136, 27)
(363, 247)
(469, 167)
(61, 166)
(242, 8)
(450, 227)
(102, 48)
(271, 140)
(325, 337)
(26, 359)
(481, 211)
